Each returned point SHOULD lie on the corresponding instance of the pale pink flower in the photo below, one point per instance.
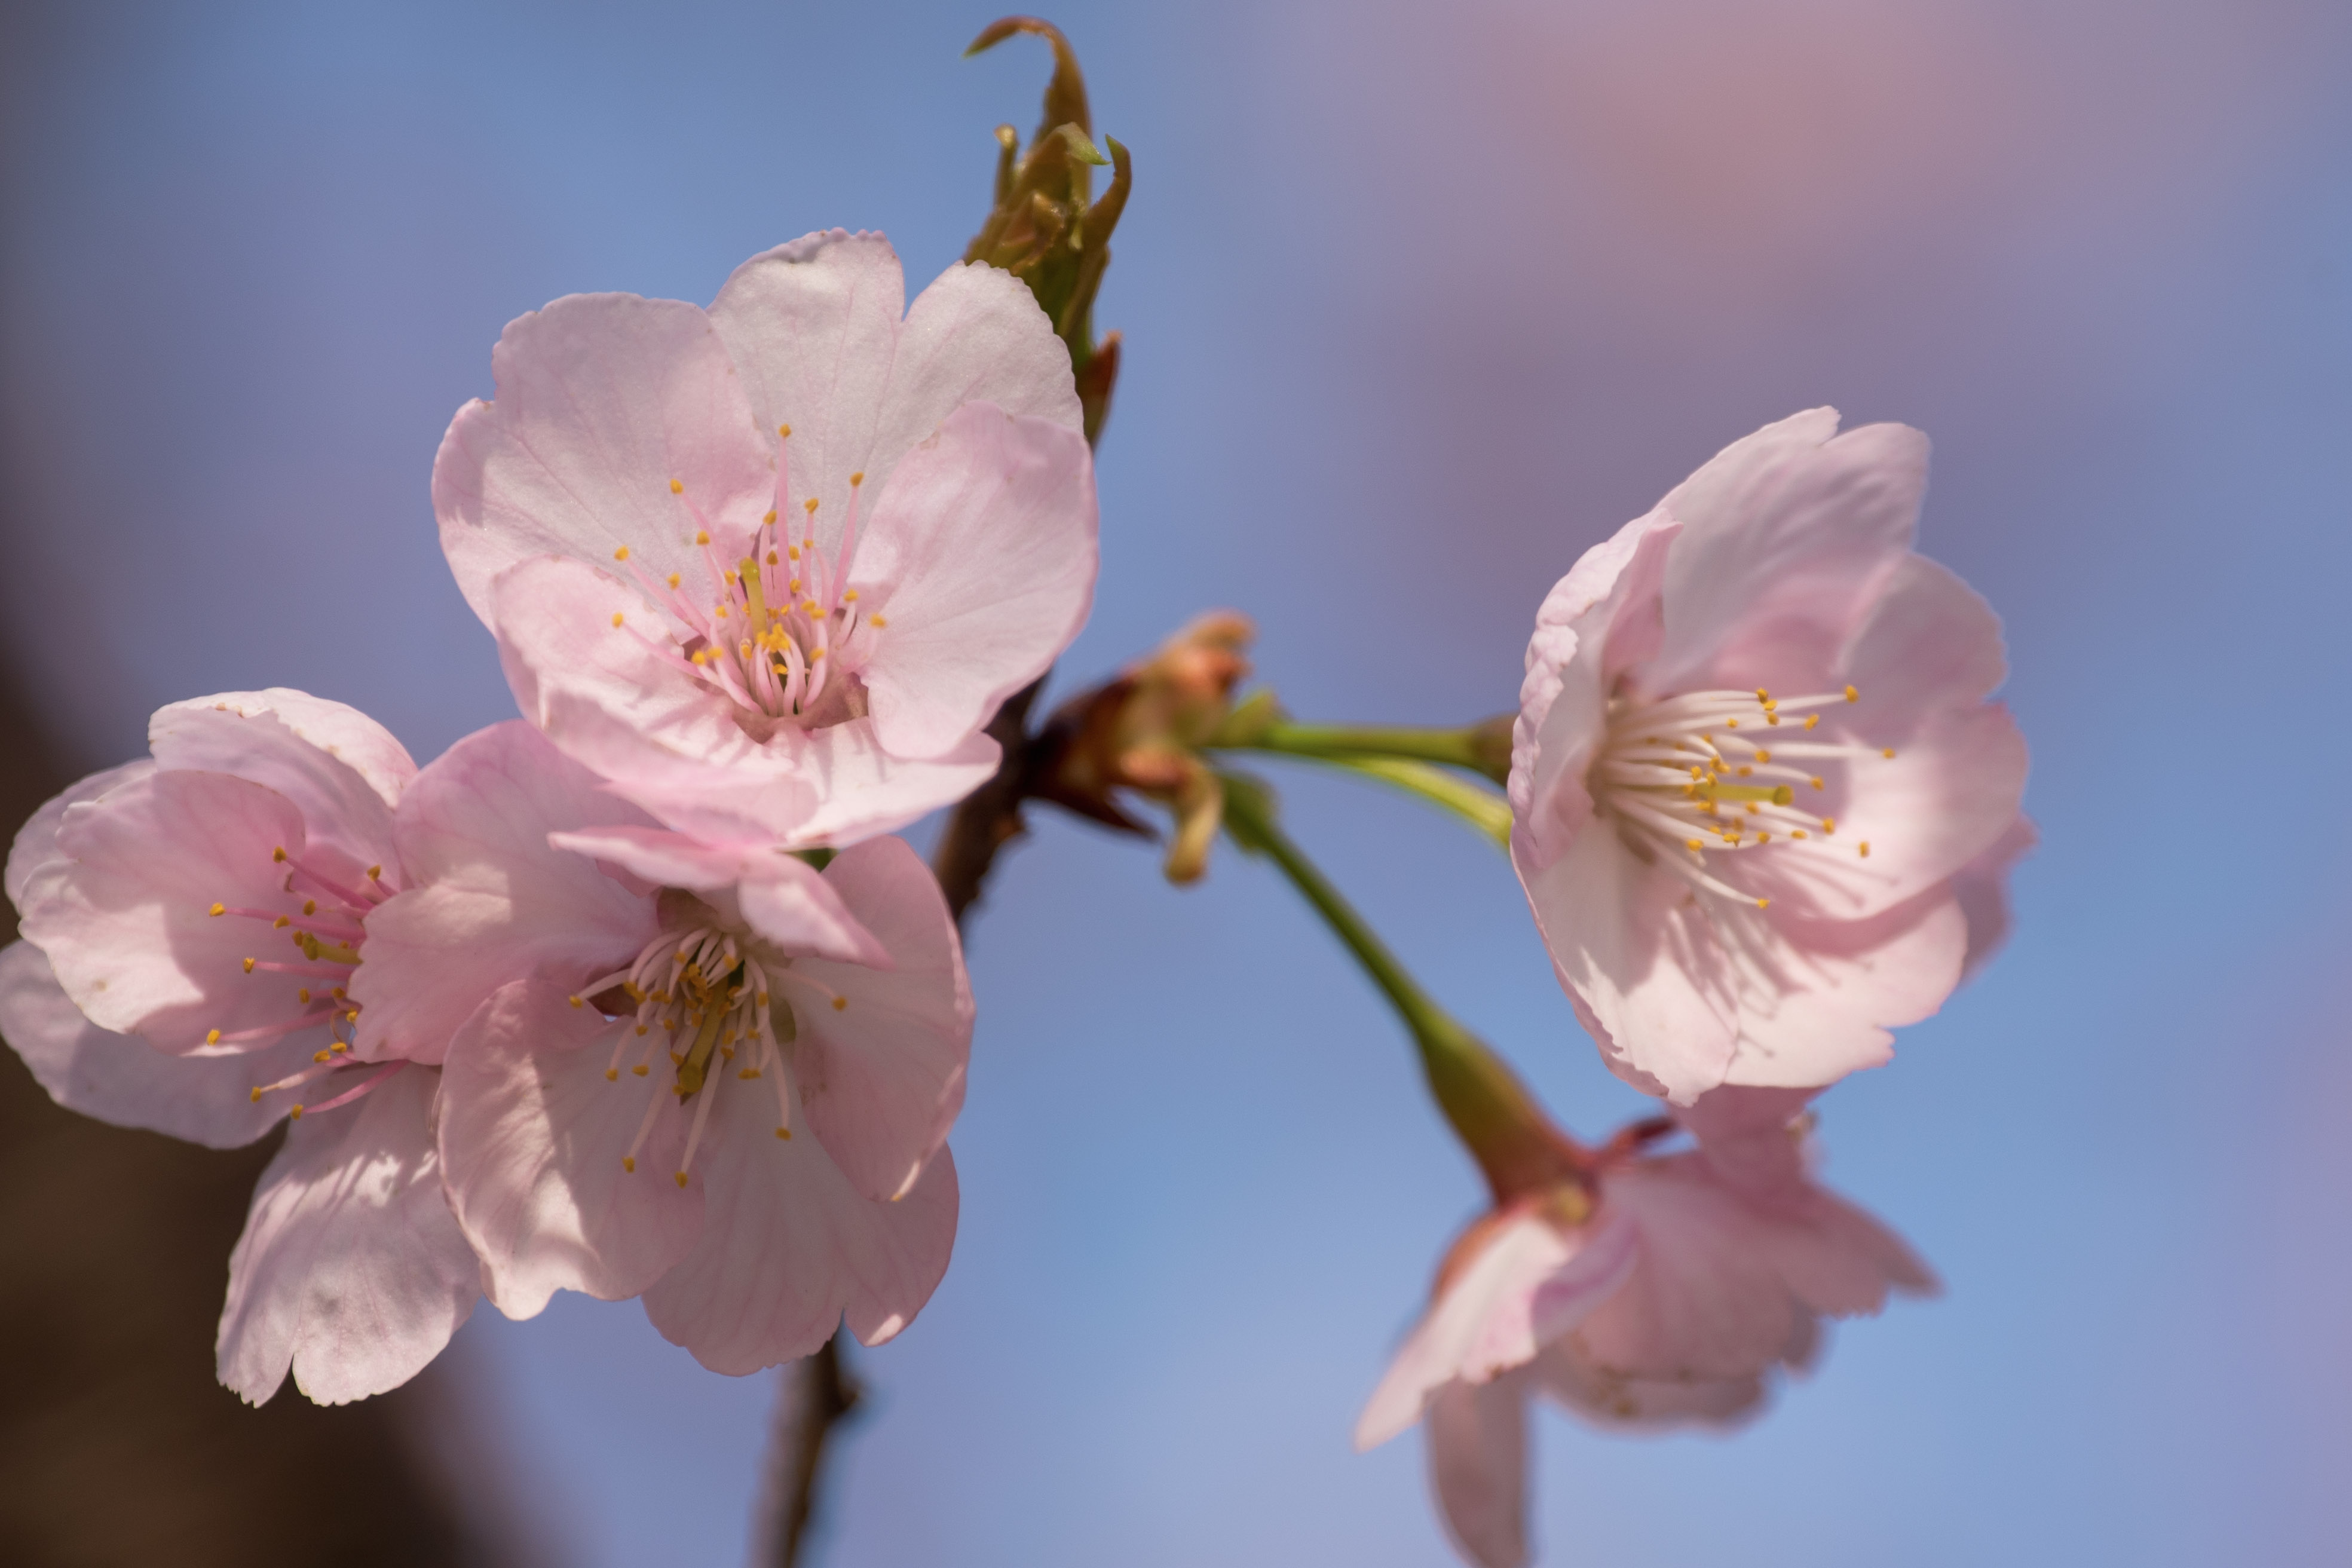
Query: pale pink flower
(141, 995)
(711, 1076)
(1754, 752)
(1658, 1290)
(769, 568)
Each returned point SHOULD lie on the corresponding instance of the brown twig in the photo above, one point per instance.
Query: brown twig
(819, 1393)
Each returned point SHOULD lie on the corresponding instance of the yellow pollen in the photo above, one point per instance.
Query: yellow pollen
(839, 1003)
(303, 995)
(722, 611)
(278, 855)
(323, 1057)
(848, 595)
(816, 655)
(576, 1002)
(1888, 753)
(1865, 849)
(1812, 719)
(1745, 770)
(1763, 903)
(1762, 695)
(353, 1016)
(785, 1133)
(681, 1178)
(629, 1162)
(770, 517)
(749, 1072)
(702, 536)
(1694, 845)
(622, 553)
(295, 1113)
(678, 486)
(612, 1075)
(809, 505)
(1851, 695)
(617, 617)
(1829, 825)
(875, 621)
(1762, 755)
(639, 1069)
(785, 431)
(1731, 724)
(1770, 718)
(1818, 785)
(223, 909)
(212, 1036)
(673, 579)
(1763, 838)
(257, 1097)
(374, 872)
(772, 558)
(249, 966)
(1796, 833)
(643, 1027)
(310, 906)
(793, 551)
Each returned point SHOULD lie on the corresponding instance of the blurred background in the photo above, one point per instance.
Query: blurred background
(1419, 302)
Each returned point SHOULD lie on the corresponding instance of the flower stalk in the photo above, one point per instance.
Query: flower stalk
(1483, 748)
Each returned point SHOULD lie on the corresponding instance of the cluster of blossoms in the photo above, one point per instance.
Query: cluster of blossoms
(636, 997)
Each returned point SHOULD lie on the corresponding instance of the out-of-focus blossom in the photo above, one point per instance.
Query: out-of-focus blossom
(711, 1076)
(192, 925)
(1651, 1290)
(769, 568)
(1754, 758)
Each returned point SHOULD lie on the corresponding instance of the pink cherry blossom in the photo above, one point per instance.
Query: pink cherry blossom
(351, 1271)
(1655, 1290)
(707, 1075)
(769, 568)
(1755, 769)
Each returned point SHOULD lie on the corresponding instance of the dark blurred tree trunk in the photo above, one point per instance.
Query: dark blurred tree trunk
(116, 1445)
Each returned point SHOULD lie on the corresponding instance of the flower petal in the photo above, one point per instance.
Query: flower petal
(982, 555)
(790, 1251)
(534, 1133)
(127, 922)
(602, 400)
(351, 1268)
(1817, 1001)
(122, 1079)
(1982, 888)
(488, 900)
(883, 1077)
(785, 901)
(1479, 1467)
(36, 841)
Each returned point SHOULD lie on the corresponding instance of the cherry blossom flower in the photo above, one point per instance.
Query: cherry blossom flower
(707, 1075)
(142, 996)
(769, 568)
(1656, 1290)
(1753, 754)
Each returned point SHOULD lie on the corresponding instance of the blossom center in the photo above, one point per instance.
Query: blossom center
(324, 917)
(1722, 774)
(776, 629)
(705, 1000)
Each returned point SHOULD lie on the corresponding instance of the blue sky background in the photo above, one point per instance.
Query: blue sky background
(1419, 305)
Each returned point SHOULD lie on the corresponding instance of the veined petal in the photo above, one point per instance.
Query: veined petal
(784, 900)
(489, 901)
(982, 555)
(122, 1079)
(790, 1251)
(342, 770)
(883, 1077)
(602, 400)
(350, 1268)
(36, 841)
(1479, 1467)
(533, 1137)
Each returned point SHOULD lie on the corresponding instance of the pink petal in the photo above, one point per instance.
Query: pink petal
(814, 329)
(342, 771)
(864, 791)
(36, 841)
(127, 922)
(488, 900)
(1613, 1400)
(982, 555)
(1982, 888)
(122, 1079)
(602, 400)
(883, 1077)
(1818, 1001)
(1751, 1136)
(784, 900)
(351, 1268)
(1479, 1467)
(790, 1250)
(534, 1133)
(1786, 537)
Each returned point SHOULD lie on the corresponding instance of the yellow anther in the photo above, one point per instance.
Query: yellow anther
(639, 1069)
(749, 1072)
(577, 1003)
(1817, 784)
(374, 872)
(617, 617)
(1888, 752)
(1731, 724)
(339, 992)
(770, 517)
(815, 654)
(249, 966)
(795, 586)
(295, 1113)
(1698, 773)
(681, 1178)
(322, 1057)
(722, 611)
(785, 431)
(1762, 695)
(1851, 695)
(629, 1162)
(622, 553)
(223, 909)
(1865, 849)
(1745, 770)
(1829, 825)
(771, 554)
(257, 1097)
(785, 1133)
(1812, 719)
(1763, 838)
(643, 1027)
(303, 995)
(1763, 903)
(678, 486)
(1762, 755)
(858, 479)
(277, 855)
(702, 536)
(1796, 833)
(793, 551)
(673, 579)
(1770, 718)
(809, 505)
(848, 595)
(839, 1003)
(353, 1016)
(212, 1036)
(612, 1075)
(310, 906)
(1694, 845)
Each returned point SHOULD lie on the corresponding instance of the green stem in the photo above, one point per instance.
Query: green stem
(1491, 1113)
(1484, 748)
(1479, 806)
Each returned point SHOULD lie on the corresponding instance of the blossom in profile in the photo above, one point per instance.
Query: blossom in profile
(192, 927)
(1644, 1291)
(1757, 784)
(708, 1075)
(769, 568)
